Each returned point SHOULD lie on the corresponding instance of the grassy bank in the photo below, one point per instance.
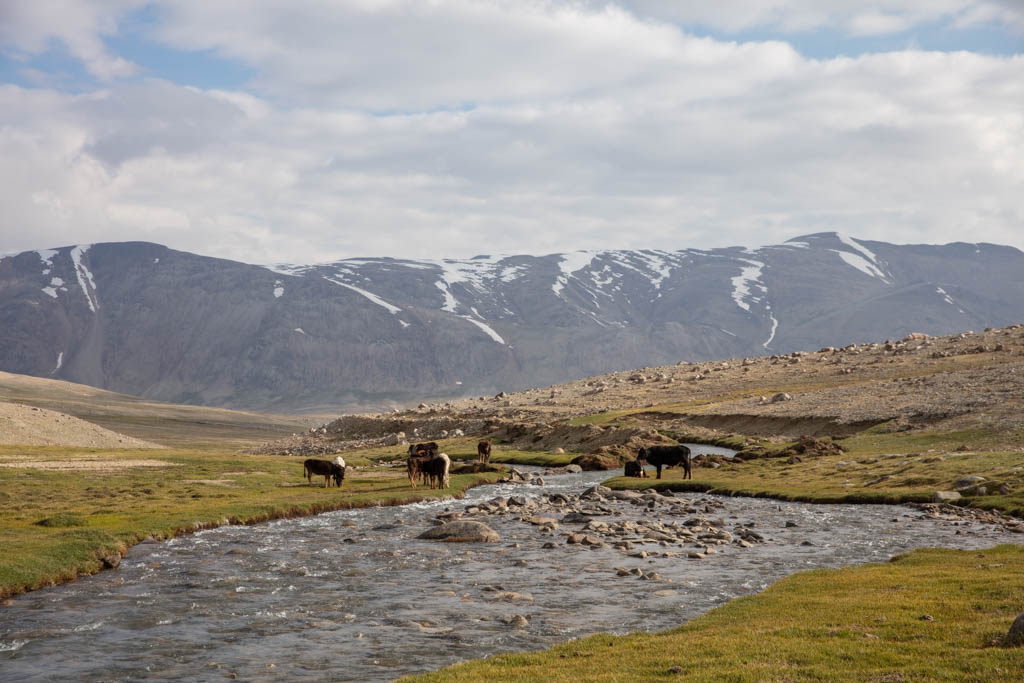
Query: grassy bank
(877, 468)
(927, 615)
(56, 524)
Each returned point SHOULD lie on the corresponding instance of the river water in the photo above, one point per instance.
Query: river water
(315, 599)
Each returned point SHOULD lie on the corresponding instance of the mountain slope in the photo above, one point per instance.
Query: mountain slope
(143, 319)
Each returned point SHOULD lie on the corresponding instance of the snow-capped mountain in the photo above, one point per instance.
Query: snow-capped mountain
(144, 319)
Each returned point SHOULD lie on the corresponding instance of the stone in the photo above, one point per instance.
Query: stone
(945, 497)
(538, 521)
(518, 621)
(462, 531)
(512, 596)
(966, 482)
(780, 397)
(1015, 637)
(573, 469)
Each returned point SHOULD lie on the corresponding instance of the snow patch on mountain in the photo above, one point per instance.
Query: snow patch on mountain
(488, 330)
(775, 326)
(864, 260)
(84, 275)
(948, 299)
(369, 295)
(860, 264)
(60, 362)
(278, 289)
(569, 264)
(46, 256)
(748, 280)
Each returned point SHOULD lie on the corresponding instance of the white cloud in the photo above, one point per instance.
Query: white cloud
(28, 27)
(590, 129)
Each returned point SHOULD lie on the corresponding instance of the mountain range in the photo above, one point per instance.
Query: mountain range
(143, 319)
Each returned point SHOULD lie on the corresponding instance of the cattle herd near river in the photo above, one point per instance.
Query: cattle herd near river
(425, 464)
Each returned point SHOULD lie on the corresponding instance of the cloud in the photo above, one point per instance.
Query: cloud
(29, 28)
(455, 128)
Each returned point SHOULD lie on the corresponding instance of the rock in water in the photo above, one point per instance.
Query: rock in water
(462, 531)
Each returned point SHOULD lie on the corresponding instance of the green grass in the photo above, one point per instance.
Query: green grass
(906, 458)
(56, 525)
(936, 615)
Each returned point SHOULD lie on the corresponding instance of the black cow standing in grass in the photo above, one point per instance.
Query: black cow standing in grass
(635, 468)
(667, 456)
(326, 468)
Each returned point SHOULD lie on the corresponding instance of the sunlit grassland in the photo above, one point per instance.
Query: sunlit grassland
(56, 524)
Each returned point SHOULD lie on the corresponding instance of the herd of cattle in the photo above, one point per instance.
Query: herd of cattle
(428, 466)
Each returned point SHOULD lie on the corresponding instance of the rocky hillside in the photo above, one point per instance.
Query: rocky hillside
(146, 320)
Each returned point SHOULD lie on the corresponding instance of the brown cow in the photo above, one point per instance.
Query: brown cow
(483, 452)
(415, 465)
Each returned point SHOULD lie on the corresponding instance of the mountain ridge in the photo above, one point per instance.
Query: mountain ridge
(372, 332)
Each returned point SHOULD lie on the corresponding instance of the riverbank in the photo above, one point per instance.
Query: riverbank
(926, 615)
(67, 512)
(874, 468)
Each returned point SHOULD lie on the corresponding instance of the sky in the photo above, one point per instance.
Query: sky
(313, 130)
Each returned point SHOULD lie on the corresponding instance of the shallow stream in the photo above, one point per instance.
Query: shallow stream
(314, 599)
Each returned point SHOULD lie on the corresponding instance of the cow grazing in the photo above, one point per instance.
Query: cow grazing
(635, 468)
(325, 468)
(437, 470)
(667, 456)
(483, 452)
(415, 466)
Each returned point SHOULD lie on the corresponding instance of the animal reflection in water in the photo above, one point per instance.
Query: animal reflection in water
(424, 462)
(329, 470)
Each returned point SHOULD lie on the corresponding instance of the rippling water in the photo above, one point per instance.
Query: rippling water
(313, 599)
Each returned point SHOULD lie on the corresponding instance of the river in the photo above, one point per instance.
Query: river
(355, 596)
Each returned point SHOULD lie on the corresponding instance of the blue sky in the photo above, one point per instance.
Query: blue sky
(315, 129)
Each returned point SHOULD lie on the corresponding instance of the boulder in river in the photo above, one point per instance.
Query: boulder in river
(467, 531)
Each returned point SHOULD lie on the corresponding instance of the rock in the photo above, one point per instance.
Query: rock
(595, 463)
(465, 531)
(518, 621)
(539, 521)
(576, 518)
(780, 397)
(945, 497)
(1015, 637)
(518, 501)
(512, 596)
(575, 539)
(573, 469)
(557, 451)
(596, 491)
(965, 482)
